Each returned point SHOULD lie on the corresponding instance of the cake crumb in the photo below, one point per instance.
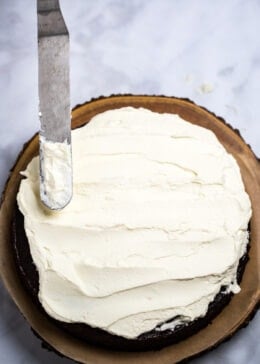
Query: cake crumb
(206, 88)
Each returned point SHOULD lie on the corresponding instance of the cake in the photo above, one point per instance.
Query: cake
(154, 241)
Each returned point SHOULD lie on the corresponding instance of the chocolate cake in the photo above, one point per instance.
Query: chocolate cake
(151, 340)
(174, 328)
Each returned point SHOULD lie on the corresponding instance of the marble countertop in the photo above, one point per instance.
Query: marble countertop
(208, 51)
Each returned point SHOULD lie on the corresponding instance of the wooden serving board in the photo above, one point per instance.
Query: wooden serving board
(234, 316)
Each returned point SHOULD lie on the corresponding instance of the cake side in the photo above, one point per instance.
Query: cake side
(153, 340)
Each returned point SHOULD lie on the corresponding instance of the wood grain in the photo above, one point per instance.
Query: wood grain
(235, 315)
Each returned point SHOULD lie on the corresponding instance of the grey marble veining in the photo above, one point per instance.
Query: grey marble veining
(208, 51)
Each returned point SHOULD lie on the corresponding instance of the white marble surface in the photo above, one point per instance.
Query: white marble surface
(171, 47)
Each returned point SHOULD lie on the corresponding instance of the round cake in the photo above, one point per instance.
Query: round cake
(154, 241)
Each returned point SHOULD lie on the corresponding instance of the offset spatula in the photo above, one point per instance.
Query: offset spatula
(54, 106)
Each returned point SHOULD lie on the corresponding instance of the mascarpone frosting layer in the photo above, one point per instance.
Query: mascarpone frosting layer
(56, 173)
(156, 226)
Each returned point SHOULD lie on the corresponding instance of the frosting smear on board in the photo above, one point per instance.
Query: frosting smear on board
(156, 226)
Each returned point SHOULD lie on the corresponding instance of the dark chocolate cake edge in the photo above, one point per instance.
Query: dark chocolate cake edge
(152, 340)
(253, 312)
(250, 317)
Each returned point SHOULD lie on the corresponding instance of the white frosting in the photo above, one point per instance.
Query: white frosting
(56, 172)
(157, 224)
